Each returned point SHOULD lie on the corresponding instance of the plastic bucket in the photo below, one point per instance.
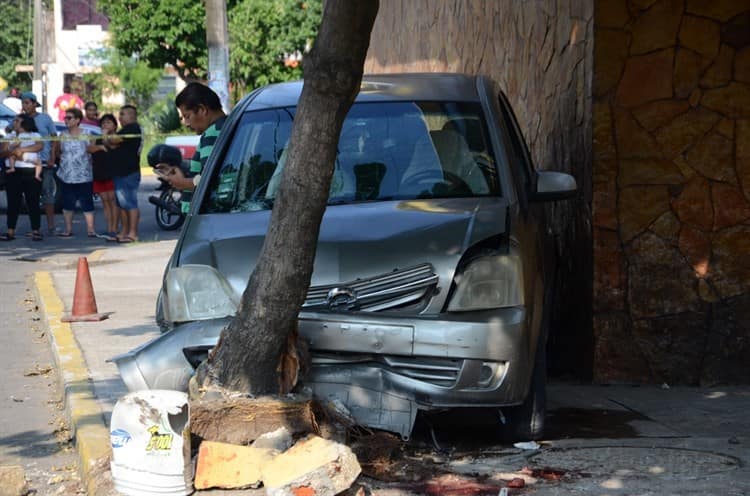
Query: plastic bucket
(150, 437)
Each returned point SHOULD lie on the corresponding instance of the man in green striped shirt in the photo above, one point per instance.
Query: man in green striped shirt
(201, 111)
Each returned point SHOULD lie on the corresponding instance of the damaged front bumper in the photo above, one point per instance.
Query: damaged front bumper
(382, 367)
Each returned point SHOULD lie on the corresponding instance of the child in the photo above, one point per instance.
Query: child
(26, 132)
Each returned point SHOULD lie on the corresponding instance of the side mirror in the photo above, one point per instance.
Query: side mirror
(551, 186)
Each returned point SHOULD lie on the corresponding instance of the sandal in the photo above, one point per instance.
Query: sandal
(92, 235)
(65, 235)
(7, 237)
(126, 240)
(36, 236)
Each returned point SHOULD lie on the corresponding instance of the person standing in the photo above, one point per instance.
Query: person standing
(125, 148)
(103, 184)
(45, 127)
(91, 114)
(21, 184)
(13, 101)
(201, 111)
(75, 173)
(67, 100)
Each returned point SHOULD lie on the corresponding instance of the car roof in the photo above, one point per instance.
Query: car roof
(6, 112)
(383, 87)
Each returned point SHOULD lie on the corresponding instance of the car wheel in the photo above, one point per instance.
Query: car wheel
(525, 422)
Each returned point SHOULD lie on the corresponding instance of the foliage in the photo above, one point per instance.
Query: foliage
(261, 32)
(166, 117)
(131, 76)
(17, 40)
(161, 33)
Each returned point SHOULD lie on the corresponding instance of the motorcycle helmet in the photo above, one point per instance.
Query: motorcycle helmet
(164, 154)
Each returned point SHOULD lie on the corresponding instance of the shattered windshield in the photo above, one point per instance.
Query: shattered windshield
(386, 151)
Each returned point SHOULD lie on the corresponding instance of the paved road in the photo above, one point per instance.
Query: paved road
(33, 433)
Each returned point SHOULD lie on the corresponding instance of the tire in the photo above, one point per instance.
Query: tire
(525, 422)
(166, 219)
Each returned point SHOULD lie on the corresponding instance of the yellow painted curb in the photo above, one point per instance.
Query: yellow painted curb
(96, 255)
(84, 413)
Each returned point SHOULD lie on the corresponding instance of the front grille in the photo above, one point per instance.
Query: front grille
(388, 291)
(441, 372)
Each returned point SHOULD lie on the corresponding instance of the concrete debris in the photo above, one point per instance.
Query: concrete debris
(230, 466)
(13, 481)
(279, 440)
(313, 466)
(528, 445)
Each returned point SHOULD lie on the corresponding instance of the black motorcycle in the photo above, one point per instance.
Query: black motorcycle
(168, 203)
(168, 210)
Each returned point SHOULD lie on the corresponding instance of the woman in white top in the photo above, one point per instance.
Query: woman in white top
(22, 184)
(75, 172)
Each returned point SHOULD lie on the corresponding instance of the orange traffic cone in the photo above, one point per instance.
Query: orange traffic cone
(84, 303)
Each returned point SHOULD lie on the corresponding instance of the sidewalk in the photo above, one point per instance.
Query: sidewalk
(608, 440)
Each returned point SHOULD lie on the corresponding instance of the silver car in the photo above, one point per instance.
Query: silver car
(430, 287)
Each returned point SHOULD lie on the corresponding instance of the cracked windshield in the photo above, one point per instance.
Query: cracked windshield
(387, 151)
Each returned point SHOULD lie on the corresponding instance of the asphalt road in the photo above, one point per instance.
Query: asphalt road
(33, 433)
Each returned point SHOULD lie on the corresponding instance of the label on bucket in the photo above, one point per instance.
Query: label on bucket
(119, 438)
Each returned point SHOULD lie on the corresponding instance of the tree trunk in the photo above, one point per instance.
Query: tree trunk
(248, 356)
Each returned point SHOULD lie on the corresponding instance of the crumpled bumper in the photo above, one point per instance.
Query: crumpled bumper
(382, 367)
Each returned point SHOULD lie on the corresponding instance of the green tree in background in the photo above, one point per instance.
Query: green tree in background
(129, 75)
(160, 33)
(172, 32)
(17, 42)
(262, 31)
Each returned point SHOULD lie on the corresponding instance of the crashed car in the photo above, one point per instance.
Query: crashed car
(431, 284)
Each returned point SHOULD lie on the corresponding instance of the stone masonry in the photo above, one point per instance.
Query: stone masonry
(671, 211)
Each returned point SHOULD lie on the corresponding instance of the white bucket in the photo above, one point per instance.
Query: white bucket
(150, 438)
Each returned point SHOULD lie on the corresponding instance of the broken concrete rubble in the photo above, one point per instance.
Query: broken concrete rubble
(313, 465)
(229, 466)
(13, 481)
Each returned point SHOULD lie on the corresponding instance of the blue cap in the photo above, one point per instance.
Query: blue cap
(27, 95)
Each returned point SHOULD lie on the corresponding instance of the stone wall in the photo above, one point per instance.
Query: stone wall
(541, 52)
(671, 209)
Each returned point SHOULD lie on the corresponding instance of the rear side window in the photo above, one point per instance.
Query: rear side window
(386, 151)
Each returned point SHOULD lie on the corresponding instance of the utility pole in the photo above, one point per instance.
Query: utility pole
(37, 82)
(217, 39)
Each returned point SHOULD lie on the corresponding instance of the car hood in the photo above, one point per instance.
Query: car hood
(356, 241)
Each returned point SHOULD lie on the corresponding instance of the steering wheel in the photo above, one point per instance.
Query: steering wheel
(445, 183)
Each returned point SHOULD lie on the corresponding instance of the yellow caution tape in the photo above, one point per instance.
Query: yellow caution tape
(68, 137)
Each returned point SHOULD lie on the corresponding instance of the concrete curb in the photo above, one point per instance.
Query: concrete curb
(81, 408)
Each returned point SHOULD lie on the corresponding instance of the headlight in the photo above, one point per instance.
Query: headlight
(197, 292)
(489, 282)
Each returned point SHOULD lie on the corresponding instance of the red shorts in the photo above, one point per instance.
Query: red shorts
(104, 186)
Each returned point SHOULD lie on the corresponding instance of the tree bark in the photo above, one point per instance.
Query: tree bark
(249, 352)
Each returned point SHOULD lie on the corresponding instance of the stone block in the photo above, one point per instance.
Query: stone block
(660, 113)
(720, 72)
(713, 157)
(674, 346)
(646, 78)
(688, 67)
(640, 171)
(680, 134)
(731, 265)
(742, 65)
(632, 140)
(667, 226)
(313, 466)
(609, 271)
(721, 10)
(693, 205)
(700, 35)
(610, 54)
(727, 352)
(611, 13)
(659, 281)
(730, 206)
(639, 206)
(617, 358)
(732, 101)
(230, 466)
(743, 155)
(13, 481)
(657, 27)
(695, 245)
